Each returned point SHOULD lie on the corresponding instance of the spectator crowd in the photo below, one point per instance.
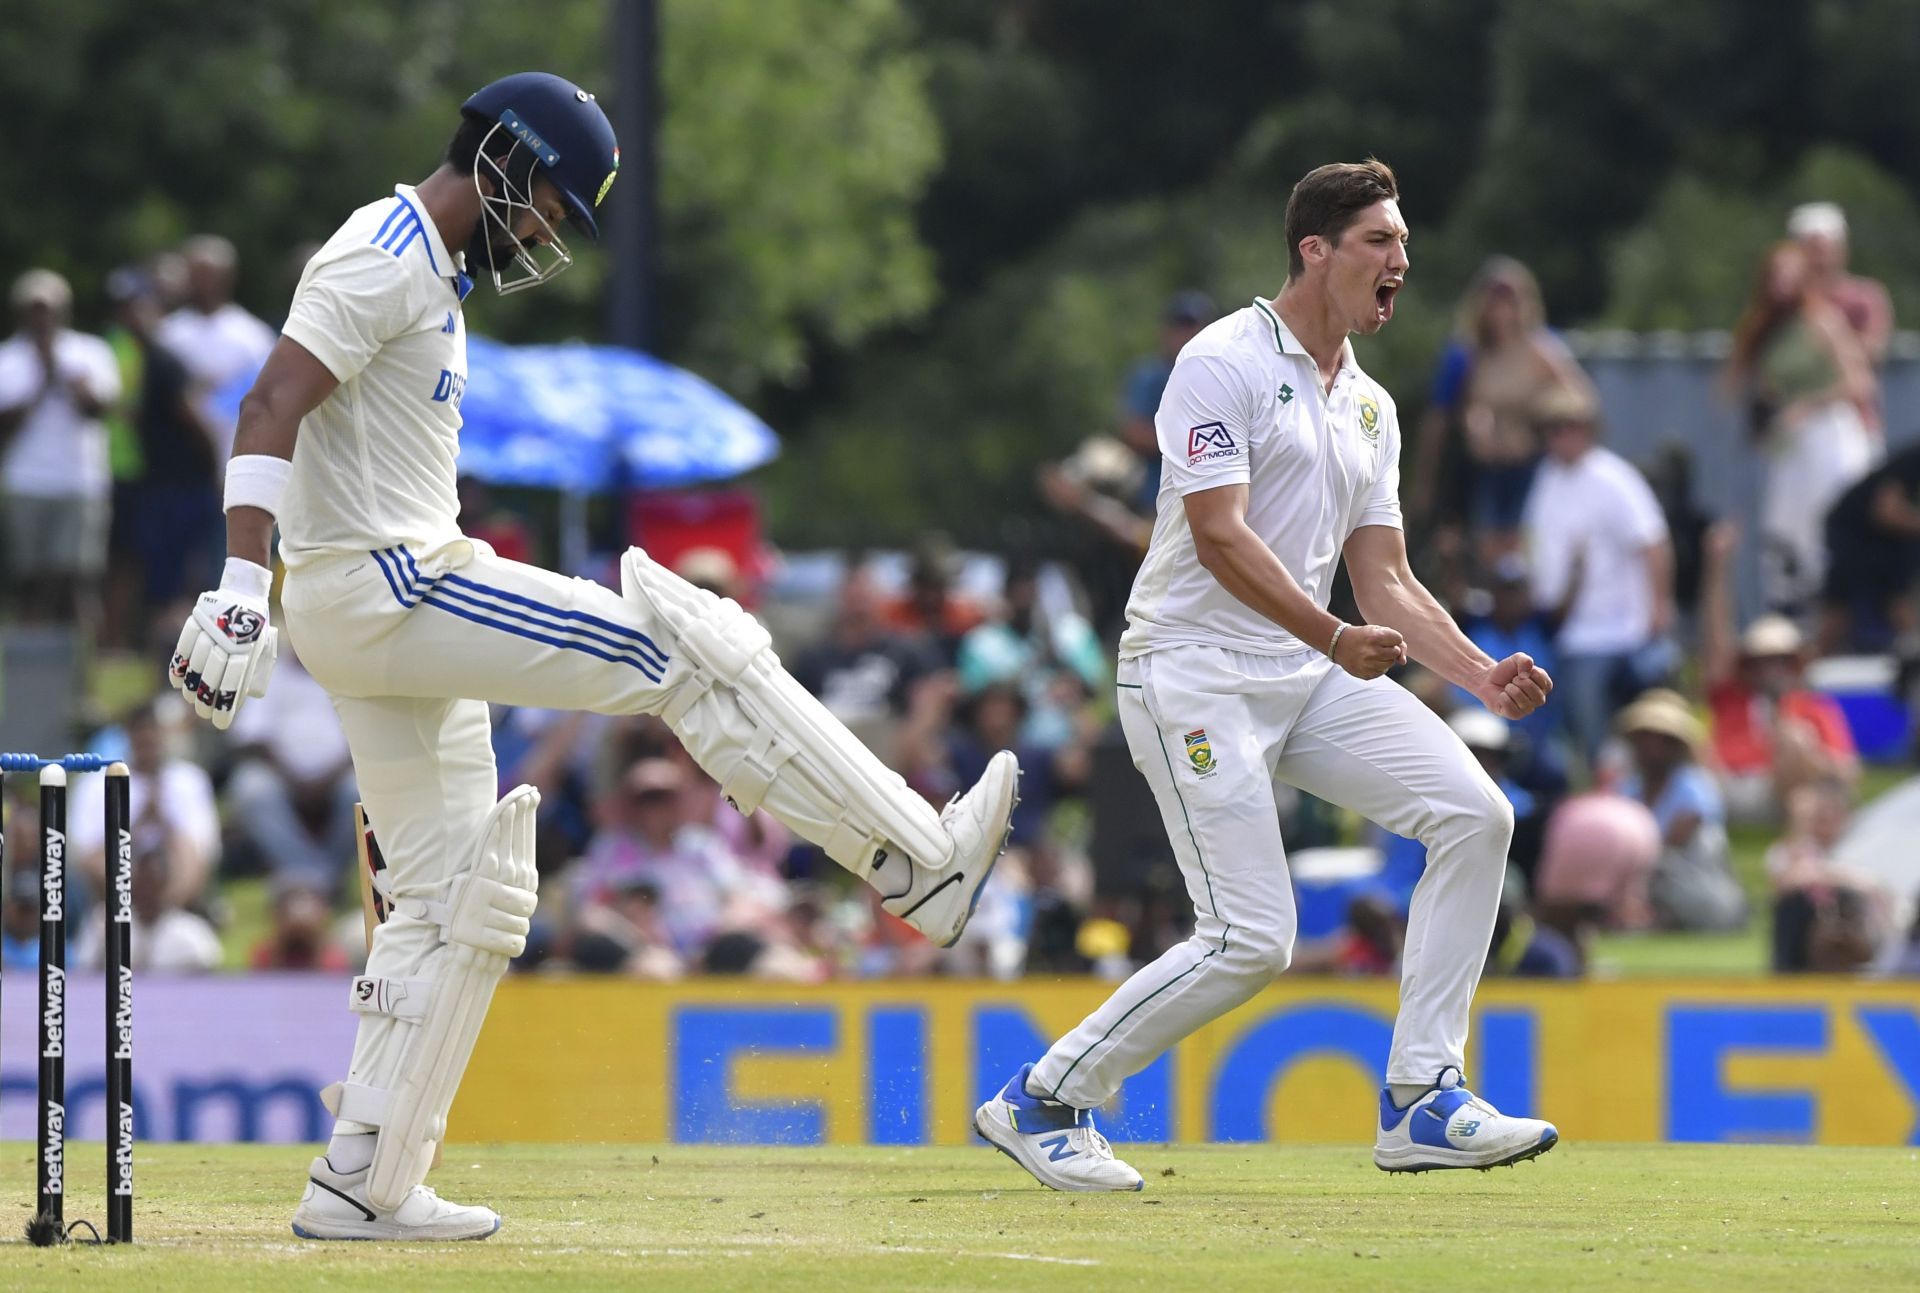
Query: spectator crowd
(1676, 731)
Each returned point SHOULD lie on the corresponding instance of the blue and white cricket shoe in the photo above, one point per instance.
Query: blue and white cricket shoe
(1450, 1126)
(1058, 1143)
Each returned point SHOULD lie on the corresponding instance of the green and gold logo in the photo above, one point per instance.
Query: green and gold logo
(1200, 753)
(608, 182)
(1369, 418)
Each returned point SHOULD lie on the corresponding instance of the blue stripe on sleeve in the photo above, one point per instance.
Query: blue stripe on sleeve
(418, 220)
(382, 232)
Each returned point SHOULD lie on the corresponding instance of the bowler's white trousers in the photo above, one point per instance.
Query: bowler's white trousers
(1211, 729)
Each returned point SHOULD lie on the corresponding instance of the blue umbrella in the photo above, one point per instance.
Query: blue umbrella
(591, 418)
(587, 419)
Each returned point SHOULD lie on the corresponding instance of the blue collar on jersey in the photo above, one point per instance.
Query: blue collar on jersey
(461, 284)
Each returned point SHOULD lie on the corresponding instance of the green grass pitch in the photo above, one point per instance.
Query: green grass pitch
(1734, 1219)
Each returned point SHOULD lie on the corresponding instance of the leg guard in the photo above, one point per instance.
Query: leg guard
(765, 739)
(482, 925)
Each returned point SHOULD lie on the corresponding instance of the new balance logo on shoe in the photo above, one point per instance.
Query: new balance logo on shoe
(1464, 1131)
(1056, 1147)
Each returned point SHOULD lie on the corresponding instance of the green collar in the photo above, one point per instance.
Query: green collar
(1283, 340)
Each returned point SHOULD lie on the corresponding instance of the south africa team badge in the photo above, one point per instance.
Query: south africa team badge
(1200, 753)
(1369, 418)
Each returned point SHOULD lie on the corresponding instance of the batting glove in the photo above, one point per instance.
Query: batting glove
(227, 649)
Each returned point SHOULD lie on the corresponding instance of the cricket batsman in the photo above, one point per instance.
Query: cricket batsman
(347, 442)
(1281, 458)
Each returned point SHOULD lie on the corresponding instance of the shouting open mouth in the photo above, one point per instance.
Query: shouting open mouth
(1383, 297)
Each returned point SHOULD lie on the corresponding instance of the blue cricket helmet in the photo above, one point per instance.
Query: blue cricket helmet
(566, 131)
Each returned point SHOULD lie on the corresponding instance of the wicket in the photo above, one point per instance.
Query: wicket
(49, 1223)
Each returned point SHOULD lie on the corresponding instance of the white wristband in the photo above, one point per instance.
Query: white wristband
(257, 480)
(243, 576)
(1334, 646)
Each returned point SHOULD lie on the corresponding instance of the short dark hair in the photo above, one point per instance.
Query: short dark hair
(1329, 198)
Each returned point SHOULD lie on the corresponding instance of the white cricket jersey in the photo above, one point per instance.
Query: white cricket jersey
(1245, 406)
(373, 467)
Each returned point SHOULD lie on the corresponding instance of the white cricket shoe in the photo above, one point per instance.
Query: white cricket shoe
(1450, 1126)
(940, 902)
(335, 1206)
(1057, 1143)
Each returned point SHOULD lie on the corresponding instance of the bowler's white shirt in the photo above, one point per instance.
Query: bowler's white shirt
(1602, 508)
(1245, 406)
(379, 305)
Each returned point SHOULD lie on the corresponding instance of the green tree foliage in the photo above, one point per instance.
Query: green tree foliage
(796, 140)
(928, 238)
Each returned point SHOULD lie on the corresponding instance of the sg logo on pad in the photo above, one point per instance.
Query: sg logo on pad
(1208, 441)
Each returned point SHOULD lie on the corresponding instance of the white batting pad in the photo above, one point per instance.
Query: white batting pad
(766, 740)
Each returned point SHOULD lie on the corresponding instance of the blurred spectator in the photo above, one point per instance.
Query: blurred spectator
(55, 384)
(932, 614)
(1054, 657)
(759, 842)
(1693, 885)
(1490, 738)
(1598, 853)
(292, 791)
(648, 840)
(1770, 733)
(1368, 943)
(1502, 361)
(1820, 229)
(20, 885)
(301, 936)
(169, 530)
(1601, 565)
(170, 802)
(217, 339)
(1113, 487)
(1827, 918)
(947, 740)
(1510, 623)
(1804, 377)
(164, 937)
(862, 670)
(494, 526)
(1873, 556)
(1524, 948)
(1670, 476)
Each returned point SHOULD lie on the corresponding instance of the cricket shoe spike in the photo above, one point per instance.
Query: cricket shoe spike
(1450, 1126)
(335, 1206)
(1057, 1143)
(940, 901)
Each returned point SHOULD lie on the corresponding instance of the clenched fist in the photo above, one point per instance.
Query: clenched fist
(227, 648)
(1369, 650)
(1514, 687)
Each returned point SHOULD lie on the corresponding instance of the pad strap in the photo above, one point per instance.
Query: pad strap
(352, 1102)
(396, 998)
